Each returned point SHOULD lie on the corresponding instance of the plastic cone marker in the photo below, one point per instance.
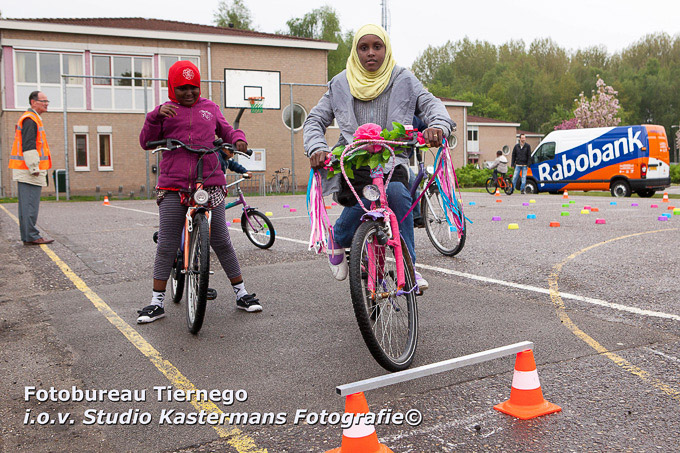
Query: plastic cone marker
(496, 219)
(572, 201)
(600, 221)
(526, 397)
(286, 206)
(236, 221)
(566, 194)
(564, 213)
(612, 203)
(654, 206)
(665, 198)
(293, 210)
(513, 226)
(334, 204)
(472, 203)
(663, 218)
(525, 204)
(360, 437)
(595, 210)
(554, 224)
(328, 207)
(532, 201)
(585, 211)
(587, 207)
(106, 201)
(498, 192)
(498, 200)
(531, 216)
(565, 205)
(269, 213)
(634, 204)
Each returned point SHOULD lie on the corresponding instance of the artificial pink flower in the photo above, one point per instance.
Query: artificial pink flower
(368, 131)
(421, 139)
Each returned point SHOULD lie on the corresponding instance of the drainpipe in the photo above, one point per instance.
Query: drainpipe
(209, 72)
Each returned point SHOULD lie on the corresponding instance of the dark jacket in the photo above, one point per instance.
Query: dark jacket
(230, 164)
(521, 156)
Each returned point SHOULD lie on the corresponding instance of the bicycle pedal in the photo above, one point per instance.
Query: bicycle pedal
(212, 294)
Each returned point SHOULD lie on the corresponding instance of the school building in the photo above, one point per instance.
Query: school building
(117, 68)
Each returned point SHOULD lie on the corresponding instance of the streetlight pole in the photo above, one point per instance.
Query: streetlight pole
(675, 143)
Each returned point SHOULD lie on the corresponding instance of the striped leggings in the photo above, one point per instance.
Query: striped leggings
(172, 214)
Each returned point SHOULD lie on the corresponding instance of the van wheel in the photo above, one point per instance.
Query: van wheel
(531, 187)
(620, 189)
(646, 193)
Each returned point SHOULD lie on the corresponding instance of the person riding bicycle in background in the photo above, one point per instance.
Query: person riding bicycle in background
(194, 121)
(373, 89)
(499, 165)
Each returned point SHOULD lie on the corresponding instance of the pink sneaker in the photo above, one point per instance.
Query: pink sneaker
(337, 261)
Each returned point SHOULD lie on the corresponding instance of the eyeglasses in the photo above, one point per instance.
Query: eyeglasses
(44, 101)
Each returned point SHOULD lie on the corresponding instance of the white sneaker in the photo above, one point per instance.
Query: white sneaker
(341, 269)
(421, 282)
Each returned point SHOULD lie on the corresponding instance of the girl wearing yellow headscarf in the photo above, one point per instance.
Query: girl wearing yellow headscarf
(372, 89)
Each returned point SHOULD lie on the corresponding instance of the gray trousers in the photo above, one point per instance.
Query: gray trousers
(29, 203)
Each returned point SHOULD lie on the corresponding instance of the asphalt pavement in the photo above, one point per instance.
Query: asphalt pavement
(599, 302)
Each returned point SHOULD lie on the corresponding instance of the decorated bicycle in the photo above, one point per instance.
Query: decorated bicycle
(383, 282)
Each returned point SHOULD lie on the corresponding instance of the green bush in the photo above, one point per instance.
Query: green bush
(471, 176)
(675, 174)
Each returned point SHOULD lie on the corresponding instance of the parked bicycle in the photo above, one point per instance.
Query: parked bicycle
(257, 226)
(191, 269)
(280, 181)
(501, 182)
(447, 235)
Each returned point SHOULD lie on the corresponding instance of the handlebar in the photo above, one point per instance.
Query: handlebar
(171, 143)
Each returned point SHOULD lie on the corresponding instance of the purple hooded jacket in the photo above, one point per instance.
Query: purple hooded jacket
(196, 126)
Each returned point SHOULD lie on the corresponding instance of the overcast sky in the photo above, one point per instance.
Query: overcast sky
(573, 24)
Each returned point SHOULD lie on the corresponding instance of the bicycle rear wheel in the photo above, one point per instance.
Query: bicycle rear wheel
(491, 186)
(388, 321)
(509, 188)
(258, 228)
(285, 184)
(177, 278)
(446, 242)
(198, 273)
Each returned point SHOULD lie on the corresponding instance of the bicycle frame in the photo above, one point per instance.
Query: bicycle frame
(240, 200)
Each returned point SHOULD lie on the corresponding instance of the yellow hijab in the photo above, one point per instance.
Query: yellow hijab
(365, 85)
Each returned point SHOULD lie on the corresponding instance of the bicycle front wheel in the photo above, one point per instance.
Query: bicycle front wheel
(387, 317)
(444, 237)
(198, 273)
(177, 278)
(258, 228)
(491, 186)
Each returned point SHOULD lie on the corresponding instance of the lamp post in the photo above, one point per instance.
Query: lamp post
(675, 143)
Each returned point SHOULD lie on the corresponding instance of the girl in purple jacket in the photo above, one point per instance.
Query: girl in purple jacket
(195, 121)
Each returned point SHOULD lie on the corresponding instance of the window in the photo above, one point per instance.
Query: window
(299, 116)
(105, 155)
(473, 141)
(544, 152)
(42, 71)
(168, 60)
(120, 94)
(81, 153)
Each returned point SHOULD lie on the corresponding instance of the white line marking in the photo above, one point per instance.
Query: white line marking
(589, 300)
(669, 357)
(536, 289)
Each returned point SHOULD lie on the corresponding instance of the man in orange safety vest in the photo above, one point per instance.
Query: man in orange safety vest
(29, 161)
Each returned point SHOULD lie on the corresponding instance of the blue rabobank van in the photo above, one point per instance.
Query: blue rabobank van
(622, 159)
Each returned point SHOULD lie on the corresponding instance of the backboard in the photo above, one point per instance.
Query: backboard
(240, 84)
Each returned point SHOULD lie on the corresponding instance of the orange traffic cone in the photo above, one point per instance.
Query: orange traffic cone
(360, 437)
(566, 194)
(665, 198)
(106, 201)
(498, 192)
(526, 398)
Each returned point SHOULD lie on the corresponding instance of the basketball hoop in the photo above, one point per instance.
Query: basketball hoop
(256, 104)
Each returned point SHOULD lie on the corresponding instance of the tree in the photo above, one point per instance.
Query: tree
(236, 13)
(601, 110)
(323, 23)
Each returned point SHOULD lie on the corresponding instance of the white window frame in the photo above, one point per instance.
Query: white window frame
(473, 144)
(286, 116)
(104, 131)
(112, 87)
(81, 130)
(56, 103)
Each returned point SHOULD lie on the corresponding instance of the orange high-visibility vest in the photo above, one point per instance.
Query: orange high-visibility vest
(16, 159)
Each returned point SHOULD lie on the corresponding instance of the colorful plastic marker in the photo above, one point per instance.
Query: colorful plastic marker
(554, 224)
(472, 203)
(495, 219)
(531, 216)
(585, 211)
(269, 213)
(525, 204)
(600, 221)
(513, 226)
(564, 213)
(663, 218)
(612, 203)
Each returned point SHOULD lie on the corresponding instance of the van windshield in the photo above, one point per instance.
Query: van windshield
(544, 152)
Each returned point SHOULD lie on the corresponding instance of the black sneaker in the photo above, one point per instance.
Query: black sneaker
(150, 313)
(212, 294)
(418, 223)
(249, 303)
